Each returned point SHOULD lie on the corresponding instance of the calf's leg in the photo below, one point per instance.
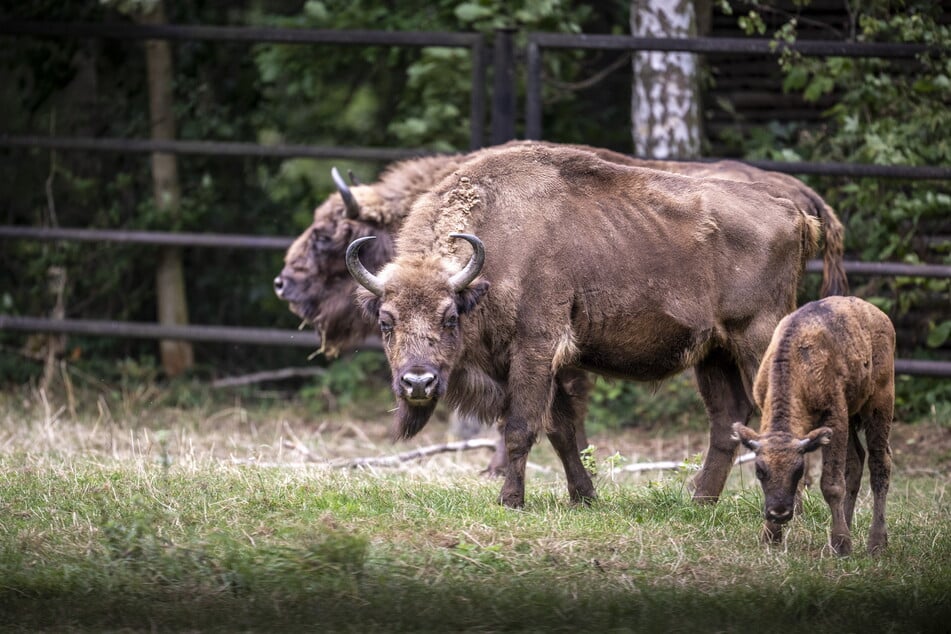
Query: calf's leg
(854, 464)
(834, 488)
(880, 467)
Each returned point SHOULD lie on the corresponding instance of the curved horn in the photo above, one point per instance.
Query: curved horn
(359, 272)
(353, 179)
(473, 267)
(353, 207)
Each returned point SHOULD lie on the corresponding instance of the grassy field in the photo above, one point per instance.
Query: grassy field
(225, 518)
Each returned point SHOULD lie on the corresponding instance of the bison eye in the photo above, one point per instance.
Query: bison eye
(761, 473)
(320, 241)
(386, 324)
(797, 474)
(450, 322)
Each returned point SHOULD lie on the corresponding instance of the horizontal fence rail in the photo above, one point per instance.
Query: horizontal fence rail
(209, 148)
(235, 241)
(242, 149)
(278, 337)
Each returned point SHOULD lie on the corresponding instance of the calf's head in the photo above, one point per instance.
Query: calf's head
(780, 465)
(314, 280)
(417, 302)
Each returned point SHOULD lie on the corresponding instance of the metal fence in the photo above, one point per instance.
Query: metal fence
(503, 127)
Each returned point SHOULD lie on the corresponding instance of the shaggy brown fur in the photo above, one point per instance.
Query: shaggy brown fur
(828, 373)
(593, 266)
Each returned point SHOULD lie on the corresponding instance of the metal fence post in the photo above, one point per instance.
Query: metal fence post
(503, 86)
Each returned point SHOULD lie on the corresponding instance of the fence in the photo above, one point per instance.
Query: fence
(503, 127)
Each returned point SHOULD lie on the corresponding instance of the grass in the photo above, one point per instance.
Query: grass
(174, 519)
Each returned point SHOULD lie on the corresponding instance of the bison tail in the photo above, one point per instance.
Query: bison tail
(834, 280)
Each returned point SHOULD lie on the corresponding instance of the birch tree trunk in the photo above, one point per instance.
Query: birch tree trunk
(176, 356)
(665, 109)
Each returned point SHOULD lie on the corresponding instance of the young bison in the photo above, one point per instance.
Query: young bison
(828, 373)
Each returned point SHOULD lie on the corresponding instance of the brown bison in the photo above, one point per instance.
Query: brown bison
(592, 266)
(829, 372)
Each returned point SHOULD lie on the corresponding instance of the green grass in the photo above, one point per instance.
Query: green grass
(110, 525)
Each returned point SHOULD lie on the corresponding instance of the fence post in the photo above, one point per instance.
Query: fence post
(503, 86)
(533, 91)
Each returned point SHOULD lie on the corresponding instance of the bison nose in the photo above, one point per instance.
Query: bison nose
(418, 386)
(279, 286)
(779, 514)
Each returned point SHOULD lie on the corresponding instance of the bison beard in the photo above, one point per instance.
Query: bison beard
(410, 419)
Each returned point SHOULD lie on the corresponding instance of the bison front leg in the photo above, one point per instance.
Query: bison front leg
(833, 487)
(518, 442)
(724, 395)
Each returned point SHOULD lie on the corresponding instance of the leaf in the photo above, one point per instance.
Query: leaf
(470, 12)
(939, 334)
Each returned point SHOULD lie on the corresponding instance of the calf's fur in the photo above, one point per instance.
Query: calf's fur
(828, 374)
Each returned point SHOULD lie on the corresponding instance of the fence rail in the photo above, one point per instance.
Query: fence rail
(503, 128)
(235, 241)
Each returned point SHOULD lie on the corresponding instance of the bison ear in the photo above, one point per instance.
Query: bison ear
(469, 297)
(369, 304)
(815, 439)
(747, 436)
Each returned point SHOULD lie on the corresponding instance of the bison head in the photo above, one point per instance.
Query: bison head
(780, 465)
(418, 302)
(314, 280)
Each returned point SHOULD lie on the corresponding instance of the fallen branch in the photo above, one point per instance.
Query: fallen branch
(667, 465)
(267, 375)
(415, 454)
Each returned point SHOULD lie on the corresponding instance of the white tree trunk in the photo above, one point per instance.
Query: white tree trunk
(665, 111)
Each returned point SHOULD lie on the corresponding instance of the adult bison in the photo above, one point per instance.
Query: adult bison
(592, 266)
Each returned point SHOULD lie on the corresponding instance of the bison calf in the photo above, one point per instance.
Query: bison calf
(828, 373)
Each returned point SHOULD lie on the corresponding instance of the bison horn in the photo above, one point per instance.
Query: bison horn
(359, 272)
(353, 179)
(353, 207)
(472, 269)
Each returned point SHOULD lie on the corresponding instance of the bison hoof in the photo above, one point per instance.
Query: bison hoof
(512, 501)
(876, 545)
(582, 499)
(841, 545)
(703, 498)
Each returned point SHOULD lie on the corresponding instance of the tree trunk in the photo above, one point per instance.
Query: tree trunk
(176, 356)
(665, 107)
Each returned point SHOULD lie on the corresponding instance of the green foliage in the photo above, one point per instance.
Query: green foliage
(358, 385)
(673, 402)
(885, 113)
